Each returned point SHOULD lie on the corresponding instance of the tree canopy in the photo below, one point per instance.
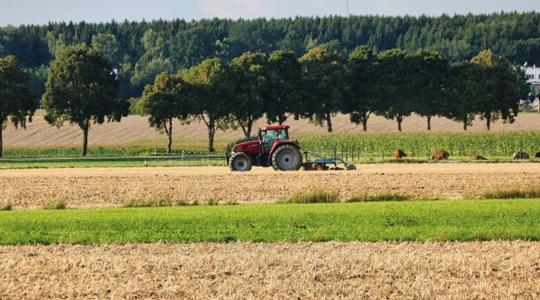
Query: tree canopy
(17, 105)
(82, 89)
(163, 101)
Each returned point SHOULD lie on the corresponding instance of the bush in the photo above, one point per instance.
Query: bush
(313, 197)
(159, 200)
(6, 206)
(379, 198)
(56, 204)
(531, 193)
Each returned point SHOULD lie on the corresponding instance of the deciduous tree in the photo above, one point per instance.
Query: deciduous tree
(82, 89)
(323, 85)
(17, 105)
(212, 89)
(249, 87)
(163, 101)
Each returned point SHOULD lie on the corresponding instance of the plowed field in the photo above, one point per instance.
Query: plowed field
(106, 187)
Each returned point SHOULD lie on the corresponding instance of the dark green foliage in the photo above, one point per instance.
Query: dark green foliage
(323, 86)
(82, 89)
(212, 85)
(249, 88)
(394, 86)
(180, 44)
(167, 99)
(283, 86)
(360, 98)
(16, 102)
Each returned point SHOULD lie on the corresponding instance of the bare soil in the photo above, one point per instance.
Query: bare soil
(135, 128)
(109, 187)
(431, 270)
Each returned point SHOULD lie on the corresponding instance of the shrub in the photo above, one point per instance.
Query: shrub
(159, 200)
(318, 196)
(55, 204)
(6, 206)
(513, 194)
(379, 198)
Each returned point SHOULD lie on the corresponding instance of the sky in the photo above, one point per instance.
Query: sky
(17, 12)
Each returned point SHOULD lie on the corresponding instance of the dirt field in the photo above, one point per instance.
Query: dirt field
(478, 270)
(105, 187)
(135, 128)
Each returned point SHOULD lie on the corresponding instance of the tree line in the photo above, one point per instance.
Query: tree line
(141, 50)
(82, 89)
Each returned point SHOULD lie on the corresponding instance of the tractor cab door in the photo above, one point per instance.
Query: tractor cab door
(267, 138)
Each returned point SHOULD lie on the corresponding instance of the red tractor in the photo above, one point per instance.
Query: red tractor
(272, 148)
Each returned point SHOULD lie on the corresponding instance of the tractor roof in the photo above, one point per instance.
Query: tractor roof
(275, 127)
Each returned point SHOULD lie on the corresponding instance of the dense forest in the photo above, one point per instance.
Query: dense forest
(141, 50)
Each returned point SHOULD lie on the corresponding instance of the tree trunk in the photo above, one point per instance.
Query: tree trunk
(488, 122)
(246, 128)
(465, 124)
(428, 122)
(249, 127)
(85, 138)
(281, 119)
(211, 134)
(399, 120)
(364, 124)
(1, 141)
(169, 134)
(329, 122)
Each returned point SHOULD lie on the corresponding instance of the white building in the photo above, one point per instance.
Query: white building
(533, 75)
(533, 78)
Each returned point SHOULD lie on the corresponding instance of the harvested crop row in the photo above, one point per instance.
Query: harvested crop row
(106, 187)
(501, 270)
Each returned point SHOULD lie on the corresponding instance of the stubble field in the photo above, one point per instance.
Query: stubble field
(112, 187)
(355, 270)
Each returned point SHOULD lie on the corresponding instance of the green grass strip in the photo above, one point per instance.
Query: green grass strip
(397, 221)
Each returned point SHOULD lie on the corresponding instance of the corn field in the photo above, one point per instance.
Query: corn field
(359, 147)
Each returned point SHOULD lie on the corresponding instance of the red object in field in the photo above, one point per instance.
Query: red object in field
(272, 148)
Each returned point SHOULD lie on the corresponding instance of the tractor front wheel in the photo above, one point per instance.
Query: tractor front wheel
(287, 158)
(240, 162)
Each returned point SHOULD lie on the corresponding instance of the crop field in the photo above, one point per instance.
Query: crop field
(105, 246)
(113, 187)
(352, 270)
(135, 138)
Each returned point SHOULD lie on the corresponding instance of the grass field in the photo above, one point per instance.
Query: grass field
(400, 221)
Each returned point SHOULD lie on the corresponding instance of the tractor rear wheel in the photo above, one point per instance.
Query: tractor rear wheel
(240, 162)
(287, 158)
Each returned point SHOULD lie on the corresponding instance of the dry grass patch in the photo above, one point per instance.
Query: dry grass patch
(530, 193)
(317, 196)
(55, 204)
(380, 197)
(6, 206)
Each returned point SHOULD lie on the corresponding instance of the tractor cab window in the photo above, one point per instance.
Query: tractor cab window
(282, 134)
(271, 135)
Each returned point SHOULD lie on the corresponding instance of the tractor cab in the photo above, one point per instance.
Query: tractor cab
(270, 134)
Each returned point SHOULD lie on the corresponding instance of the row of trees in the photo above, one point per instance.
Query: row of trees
(320, 84)
(141, 50)
(82, 89)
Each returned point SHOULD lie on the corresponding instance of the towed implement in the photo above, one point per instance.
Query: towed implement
(273, 148)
